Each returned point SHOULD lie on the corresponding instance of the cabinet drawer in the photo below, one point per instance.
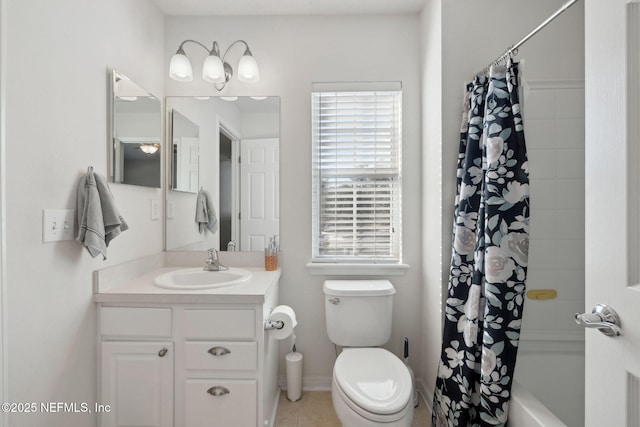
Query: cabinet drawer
(135, 321)
(235, 356)
(225, 403)
(219, 324)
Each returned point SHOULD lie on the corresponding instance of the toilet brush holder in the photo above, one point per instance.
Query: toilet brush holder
(294, 375)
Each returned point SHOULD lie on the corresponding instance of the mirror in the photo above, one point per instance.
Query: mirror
(135, 133)
(237, 155)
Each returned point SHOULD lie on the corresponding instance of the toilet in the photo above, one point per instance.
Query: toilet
(371, 386)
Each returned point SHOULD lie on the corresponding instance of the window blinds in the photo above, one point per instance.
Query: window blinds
(356, 176)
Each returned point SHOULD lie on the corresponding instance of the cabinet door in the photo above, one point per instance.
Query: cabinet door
(137, 384)
(220, 403)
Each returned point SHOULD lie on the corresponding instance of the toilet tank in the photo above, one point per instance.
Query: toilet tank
(358, 312)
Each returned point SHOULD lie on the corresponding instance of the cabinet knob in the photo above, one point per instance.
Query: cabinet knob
(218, 351)
(163, 352)
(218, 390)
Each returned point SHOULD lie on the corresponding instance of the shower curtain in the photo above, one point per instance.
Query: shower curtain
(483, 310)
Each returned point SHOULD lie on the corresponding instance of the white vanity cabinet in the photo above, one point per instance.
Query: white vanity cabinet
(188, 364)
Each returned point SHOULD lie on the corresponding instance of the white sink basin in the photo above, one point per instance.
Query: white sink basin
(197, 278)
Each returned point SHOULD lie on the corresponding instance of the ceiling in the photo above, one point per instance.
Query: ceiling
(288, 7)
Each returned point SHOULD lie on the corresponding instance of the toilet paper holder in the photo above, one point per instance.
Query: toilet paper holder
(270, 324)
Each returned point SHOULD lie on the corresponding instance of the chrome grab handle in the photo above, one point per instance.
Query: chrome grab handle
(602, 317)
(218, 351)
(218, 390)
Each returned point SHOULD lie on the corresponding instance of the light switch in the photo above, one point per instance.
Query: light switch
(57, 224)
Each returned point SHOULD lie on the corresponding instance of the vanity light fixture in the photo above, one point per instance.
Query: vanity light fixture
(215, 69)
(149, 149)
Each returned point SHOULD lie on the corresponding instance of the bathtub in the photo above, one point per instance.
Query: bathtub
(527, 411)
(524, 410)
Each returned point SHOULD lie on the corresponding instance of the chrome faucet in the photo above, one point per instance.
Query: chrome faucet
(213, 261)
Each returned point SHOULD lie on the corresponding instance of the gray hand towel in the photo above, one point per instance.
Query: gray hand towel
(98, 219)
(205, 212)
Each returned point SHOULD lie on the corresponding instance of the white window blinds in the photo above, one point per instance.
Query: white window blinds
(356, 175)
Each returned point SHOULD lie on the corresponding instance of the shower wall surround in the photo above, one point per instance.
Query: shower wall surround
(552, 345)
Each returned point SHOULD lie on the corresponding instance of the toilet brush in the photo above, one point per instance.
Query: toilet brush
(413, 377)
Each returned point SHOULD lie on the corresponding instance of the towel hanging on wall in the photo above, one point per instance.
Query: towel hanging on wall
(99, 221)
(205, 212)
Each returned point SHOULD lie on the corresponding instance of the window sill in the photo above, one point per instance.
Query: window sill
(340, 269)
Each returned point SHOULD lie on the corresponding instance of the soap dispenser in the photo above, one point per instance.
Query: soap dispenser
(271, 255)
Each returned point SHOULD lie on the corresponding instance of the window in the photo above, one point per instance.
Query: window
(357, 173)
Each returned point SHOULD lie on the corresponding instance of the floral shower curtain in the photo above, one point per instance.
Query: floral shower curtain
(489, 258)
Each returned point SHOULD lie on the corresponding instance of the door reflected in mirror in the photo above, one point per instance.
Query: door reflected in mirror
(238, 158)
(135, 133)
(185, 150)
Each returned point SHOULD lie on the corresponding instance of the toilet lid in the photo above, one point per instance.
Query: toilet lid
(374, 378)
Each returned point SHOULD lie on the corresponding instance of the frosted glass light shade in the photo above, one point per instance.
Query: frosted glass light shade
(149, 148)
(180, 68)
(248, 69)
(213, 70)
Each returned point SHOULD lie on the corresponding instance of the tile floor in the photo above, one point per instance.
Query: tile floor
(316, 410)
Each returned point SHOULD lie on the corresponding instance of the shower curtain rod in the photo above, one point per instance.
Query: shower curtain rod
(514, 48)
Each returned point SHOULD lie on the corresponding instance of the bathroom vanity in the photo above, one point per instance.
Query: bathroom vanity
(185, 358)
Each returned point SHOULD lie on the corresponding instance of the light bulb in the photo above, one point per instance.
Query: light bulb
(213, 70)
(180, 67)
(248, 69)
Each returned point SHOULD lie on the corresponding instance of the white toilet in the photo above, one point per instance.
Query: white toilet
(371, 386)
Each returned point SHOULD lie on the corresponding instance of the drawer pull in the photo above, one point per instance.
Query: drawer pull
(163, 352)
(218, 351)
(218, 390)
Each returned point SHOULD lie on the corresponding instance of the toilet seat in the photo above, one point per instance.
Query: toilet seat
(373, 382)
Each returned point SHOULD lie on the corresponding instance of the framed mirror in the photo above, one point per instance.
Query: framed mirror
(135, 133)
(238, 150)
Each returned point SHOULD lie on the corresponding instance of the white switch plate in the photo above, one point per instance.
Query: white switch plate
(57, 224)
(155, 209)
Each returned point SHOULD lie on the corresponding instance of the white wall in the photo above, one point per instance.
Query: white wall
(431, 50)
(471, 37)
(292, 53)
(59, 55)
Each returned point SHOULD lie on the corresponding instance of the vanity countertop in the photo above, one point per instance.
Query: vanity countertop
(133, 283)
(141, 289)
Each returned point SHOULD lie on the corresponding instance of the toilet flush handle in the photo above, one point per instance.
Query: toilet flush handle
(334, 301)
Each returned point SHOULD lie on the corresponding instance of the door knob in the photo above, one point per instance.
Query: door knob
(602, 317)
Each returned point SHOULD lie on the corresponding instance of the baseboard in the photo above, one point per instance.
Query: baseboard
(425, 393)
